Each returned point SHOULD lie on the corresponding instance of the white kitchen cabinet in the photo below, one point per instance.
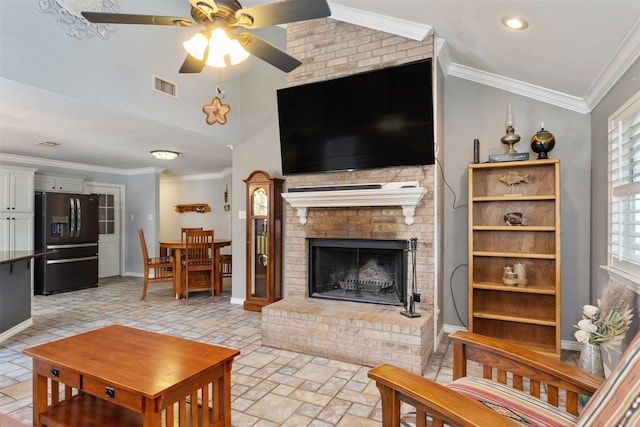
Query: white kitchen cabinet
(17, 189)
(16, 208)
(16, 231)
(59, 184)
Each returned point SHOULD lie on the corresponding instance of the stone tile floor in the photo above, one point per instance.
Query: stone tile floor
(270, 387)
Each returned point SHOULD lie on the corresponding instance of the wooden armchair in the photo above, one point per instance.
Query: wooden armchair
(519, 387)
(198, 265)
(156, 269)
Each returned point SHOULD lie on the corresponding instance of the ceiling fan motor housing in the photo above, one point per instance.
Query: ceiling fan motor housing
(207, 10)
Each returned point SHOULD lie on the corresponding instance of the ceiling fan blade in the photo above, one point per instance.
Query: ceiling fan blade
(192, 64)
(281, 13)
(268, 52)
(124, 18)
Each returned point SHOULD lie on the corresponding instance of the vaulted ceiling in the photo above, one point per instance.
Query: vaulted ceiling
(94, 97)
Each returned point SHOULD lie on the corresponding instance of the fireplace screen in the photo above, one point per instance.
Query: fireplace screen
(361, 270)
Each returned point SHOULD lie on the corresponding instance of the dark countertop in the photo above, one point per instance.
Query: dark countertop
(12, 256)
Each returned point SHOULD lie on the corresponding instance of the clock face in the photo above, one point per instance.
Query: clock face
(260, 202)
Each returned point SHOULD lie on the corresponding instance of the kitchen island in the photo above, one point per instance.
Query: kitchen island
(15, 291)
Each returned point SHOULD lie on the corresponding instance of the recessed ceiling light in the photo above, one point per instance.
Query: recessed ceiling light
(514, 22)
(164, 154)
(49, 143)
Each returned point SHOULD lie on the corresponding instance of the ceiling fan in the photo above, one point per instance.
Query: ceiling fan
(228, 15)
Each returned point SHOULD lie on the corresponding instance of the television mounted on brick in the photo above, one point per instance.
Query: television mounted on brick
(369, 120)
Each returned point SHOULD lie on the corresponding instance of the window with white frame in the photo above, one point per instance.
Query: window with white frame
(624, 190)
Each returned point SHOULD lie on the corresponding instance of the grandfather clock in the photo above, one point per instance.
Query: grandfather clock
(264, 240)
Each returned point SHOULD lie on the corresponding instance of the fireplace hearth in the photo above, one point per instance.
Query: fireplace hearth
(358, 270)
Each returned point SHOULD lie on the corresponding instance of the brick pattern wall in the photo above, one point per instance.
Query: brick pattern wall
(354, 332)
(330, 49)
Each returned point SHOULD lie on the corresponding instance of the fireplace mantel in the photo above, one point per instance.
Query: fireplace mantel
(404, 194)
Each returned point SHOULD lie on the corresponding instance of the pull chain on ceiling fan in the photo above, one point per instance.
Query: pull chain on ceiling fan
(220, 19)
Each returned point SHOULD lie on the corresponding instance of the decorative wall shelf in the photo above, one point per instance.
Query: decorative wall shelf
(405, 195)
(195, 207)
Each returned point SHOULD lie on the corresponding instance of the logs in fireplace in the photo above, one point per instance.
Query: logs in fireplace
(360, 270)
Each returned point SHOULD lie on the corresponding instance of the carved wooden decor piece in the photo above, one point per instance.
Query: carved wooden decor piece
(216, 112)
(194, 207)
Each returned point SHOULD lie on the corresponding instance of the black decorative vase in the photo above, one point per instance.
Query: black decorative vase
(542, 142)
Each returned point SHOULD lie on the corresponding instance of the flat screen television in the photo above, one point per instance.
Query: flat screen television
(369, 120)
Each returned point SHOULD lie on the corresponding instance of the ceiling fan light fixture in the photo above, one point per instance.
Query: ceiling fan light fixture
(196, 46)
(514, 22)
(218, 48)
(220, 45)
(237, 54)
(165, 154)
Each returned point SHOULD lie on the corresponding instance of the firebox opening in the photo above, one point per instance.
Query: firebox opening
(360, 270)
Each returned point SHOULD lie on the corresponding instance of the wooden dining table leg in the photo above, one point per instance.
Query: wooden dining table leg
(217, 271)
(177, 274)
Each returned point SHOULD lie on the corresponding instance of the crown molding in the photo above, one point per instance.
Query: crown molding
(37, 161)
(624, 56)
(442, 54)
(375, 21)
(197, 177)
(515, 86)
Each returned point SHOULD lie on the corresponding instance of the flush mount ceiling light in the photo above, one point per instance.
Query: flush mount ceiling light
(49, 143)
(514, 23)
(164, 154)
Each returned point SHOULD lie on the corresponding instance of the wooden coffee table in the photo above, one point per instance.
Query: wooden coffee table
(121, 376)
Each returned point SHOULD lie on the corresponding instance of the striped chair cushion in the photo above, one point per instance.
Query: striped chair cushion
(161, 260)
(519, 406)
(617, 401)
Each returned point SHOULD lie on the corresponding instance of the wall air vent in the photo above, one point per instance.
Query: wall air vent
(165, 87)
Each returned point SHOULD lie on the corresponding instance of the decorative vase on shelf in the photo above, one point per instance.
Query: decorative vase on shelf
(590, 361)
(542, 142)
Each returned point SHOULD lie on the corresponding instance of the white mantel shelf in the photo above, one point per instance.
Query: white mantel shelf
(393, 194)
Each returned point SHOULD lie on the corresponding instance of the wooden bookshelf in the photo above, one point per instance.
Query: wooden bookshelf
(523, 313)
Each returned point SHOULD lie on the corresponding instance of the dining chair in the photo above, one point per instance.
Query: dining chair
(183, 231)
(198, 266)
(156, 269)
(225, 265)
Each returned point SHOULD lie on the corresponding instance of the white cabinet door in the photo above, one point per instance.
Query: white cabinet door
(5, 235)
(59, 184)
(22, 231)
(70, 185)
(16, 231)
(45, 183)
(22, 192)
(17, 191)
(5, 191)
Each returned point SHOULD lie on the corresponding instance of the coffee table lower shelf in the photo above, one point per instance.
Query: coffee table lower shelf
(90, 411)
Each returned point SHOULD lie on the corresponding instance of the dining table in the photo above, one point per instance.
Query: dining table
(176, 247)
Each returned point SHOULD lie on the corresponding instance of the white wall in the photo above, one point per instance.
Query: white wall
(189, 190)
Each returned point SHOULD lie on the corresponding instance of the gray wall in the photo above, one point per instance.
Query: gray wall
(477, 111)
(627, 86)
(142, 201)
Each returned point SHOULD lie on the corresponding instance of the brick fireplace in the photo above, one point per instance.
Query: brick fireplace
(358, 270)
(363, 333)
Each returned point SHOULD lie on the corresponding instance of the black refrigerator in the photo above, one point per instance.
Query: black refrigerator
(68, 224)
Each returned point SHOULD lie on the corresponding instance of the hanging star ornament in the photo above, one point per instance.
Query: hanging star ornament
(216, 111)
